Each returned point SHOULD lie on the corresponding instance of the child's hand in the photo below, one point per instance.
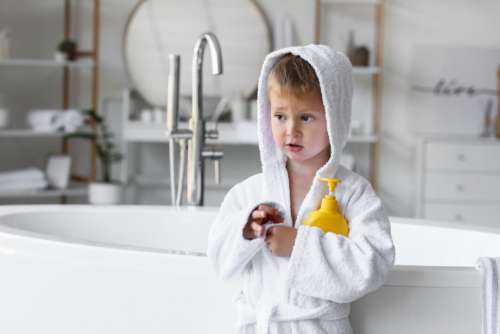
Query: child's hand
(261, 215)
(280, 240)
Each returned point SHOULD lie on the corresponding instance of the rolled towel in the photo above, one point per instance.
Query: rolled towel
(489, 268)
(72, 120)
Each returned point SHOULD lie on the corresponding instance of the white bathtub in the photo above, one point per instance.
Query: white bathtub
(82, 269)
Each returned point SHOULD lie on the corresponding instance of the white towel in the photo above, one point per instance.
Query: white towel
(23, 186)
(72, 120)
(22, 175)
(489, 268)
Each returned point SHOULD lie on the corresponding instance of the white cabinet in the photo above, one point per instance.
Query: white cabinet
(458, 179)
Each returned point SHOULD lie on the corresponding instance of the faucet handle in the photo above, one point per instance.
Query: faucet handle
(216, 155)
(212, 134)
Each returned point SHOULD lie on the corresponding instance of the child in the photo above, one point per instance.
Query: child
(295, 278)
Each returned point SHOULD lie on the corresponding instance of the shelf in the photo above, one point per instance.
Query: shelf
(229, 133)
(362, 139)
(45, 63)
(368, 70)
(80, 191)
(159, 182)
(244, 133)
(27, 133)
(351, 2)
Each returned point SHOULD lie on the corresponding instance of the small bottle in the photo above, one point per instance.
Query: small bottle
(350, 45)
(497, 118)
(4, 114)
(238, 107)
(4, 44)
(487, 123)
(327, 217)
(497, 125)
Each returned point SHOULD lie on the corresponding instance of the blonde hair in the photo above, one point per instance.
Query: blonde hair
(295, 76)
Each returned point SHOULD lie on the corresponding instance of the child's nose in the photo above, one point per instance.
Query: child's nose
(293, 129)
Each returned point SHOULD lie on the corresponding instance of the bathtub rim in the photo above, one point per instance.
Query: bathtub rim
(26, 235)
(15, 209)
(26, 209)
(401, 275)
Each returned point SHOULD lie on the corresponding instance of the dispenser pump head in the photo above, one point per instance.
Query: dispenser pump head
(332, 183)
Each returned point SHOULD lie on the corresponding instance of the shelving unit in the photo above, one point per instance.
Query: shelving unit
(373, 72)
(86, 60)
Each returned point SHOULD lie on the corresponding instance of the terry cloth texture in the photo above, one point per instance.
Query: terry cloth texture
(310, 291)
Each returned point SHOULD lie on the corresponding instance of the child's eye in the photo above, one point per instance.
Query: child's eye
(279, 117)
(306, 118)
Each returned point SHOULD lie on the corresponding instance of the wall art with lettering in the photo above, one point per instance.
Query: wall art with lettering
(451, 88)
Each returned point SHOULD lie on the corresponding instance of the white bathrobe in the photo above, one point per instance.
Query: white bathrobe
(310, 291)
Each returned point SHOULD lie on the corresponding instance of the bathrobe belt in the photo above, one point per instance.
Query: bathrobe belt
(288, 312)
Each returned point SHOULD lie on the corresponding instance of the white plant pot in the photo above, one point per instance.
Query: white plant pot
(105, 193)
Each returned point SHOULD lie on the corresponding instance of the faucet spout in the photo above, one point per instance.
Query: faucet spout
(195, 168)
(197, 68)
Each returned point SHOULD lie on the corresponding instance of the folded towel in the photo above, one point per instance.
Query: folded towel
(489, 268)
(22, 175)
(23, 186)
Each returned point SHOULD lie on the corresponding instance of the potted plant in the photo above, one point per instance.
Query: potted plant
(66, 50)
(106, 191)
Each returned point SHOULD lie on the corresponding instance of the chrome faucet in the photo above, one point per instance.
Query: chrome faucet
(197, 150)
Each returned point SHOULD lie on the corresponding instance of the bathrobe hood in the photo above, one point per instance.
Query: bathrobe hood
(334, 72)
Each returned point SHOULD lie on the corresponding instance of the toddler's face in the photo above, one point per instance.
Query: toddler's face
(298, 124)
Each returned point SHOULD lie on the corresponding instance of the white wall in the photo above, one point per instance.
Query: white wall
(114, 14)
(407, 25)
(235, 165)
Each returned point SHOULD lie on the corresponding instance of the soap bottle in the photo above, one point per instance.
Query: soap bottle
(327, 217)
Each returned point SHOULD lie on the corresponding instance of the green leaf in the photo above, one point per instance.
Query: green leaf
(80, 135)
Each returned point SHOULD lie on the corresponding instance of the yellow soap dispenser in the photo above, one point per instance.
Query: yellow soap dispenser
(327, 217)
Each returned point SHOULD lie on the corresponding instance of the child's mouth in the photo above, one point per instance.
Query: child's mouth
(294, 147)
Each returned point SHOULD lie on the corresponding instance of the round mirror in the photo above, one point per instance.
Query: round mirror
(157, 28)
